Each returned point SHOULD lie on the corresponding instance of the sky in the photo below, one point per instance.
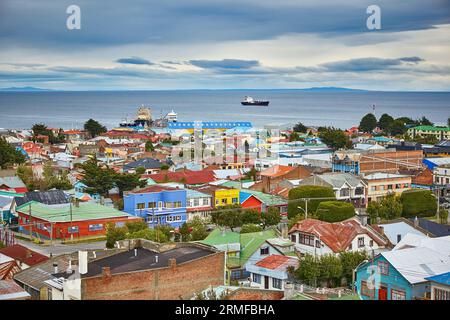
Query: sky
(225, 44)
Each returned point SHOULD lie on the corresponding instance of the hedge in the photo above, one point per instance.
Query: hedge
(307, 192)
(420, 203)
(334, 211)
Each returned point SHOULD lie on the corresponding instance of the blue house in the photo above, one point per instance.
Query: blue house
(158, 205)
(400, 274)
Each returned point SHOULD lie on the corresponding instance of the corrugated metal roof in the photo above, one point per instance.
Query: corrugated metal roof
(45, 197)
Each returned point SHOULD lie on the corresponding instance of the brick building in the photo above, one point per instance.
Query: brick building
(145, 270)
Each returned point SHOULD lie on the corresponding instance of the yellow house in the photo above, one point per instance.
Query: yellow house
(226, 197)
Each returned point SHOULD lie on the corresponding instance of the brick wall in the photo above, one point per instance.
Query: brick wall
(181, 281)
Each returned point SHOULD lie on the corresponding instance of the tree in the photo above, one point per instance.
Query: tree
(250, 216)
(443, 215)
(94, 128)
(54, 181)
(184, 232)
(231, 218)
(368, 123)
(308, 270)
(127, 182)
(335, 211)
(398, 127)
(251, 175)
(149, 146)
(250, 227)
(136, 226)
(335, 138)
(330, 269)
(199, 231)
(425, 122)
(140, 170)
(420, 203)
(114, 234)
(271, 217)
(390, 207)
(97, 179)
(300, 127)
(373, 210)
(294, 137)
(350, 260)
(385, 122)
(448, 122)
(296, 194)
(9, 155)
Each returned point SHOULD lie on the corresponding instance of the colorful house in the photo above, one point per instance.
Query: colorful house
(221, 196)
(239, 249)
(158, 205)
(199, 204)
(252, 199)
(13, 183)
(440, 286)
(68, 220)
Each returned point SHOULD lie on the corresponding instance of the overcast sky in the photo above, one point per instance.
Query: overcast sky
(193, 44)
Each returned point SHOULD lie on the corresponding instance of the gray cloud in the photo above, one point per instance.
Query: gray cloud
(227, 64)
(368, 64)
(134, 60)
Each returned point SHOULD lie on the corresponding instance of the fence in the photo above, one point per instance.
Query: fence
(7, 237)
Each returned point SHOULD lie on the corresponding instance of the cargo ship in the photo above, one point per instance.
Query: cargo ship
(249, 101)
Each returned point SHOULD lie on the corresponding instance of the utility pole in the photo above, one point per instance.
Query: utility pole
(71, 231)
(225, 268)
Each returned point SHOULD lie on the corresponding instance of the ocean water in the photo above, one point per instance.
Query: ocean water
(20, 110)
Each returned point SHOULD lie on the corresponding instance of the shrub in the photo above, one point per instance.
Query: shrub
(307, 192)
(334, 211)
(420, 203)
(250, 227)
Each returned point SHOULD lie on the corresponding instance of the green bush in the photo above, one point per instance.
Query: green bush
(420, 203)
(250, 227)
(307, 192)
(334, 211)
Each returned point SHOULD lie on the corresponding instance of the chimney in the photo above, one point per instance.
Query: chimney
(106, 272)
(69, 267)
(156, 259)
(28, 254)
(381, 230)
(416, 222)
(135, 252)
(94, 254)
(83, 262)
(55, 267)
(173, 264)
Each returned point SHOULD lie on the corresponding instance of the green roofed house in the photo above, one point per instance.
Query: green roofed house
(260, 201)
(440, 133)
(239, 248)
(68, 220)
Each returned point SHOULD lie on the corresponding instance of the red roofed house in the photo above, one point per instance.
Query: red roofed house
(185, 176)
(24, 257)
(271, 177)
(271, 272)
(317, 237)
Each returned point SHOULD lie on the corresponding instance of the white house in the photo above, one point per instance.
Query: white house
(317, 237)
(271, 272)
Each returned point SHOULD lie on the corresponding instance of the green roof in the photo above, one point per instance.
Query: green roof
(267, 199)
(61, 213)
(232, 184)
(249, 243)
(431, 128)
(11, 193)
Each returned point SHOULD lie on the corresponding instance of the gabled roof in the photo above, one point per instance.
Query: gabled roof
(185, 176)
(436, 229)
(147, 163)
(276, 171)
(45, 197)
(443, 278)
(337, 236)
(338, 179)
(267, 199)
(8, 269)
(12, 182)
(277, 262)
(23, 254)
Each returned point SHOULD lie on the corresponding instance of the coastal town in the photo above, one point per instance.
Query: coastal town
(163, 209)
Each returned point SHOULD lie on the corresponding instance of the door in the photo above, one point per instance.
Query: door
(266, 282)
(382, 293)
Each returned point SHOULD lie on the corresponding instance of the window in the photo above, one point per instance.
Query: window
(373, 188)
(398, 295)
(234, 200)
(365, 291)
(152, 205)
(256, 278)
(306, 239)
(359, 191)
(264, 251)
(350, 246)
(177, 204)
(196, 202)
(389, 186)
(399, 238)
(371, 243)
(276, 283)
(293, 238)
(360, 242)
(383, 266)
(73, 229)
(140, 205)
(120, 224)
(441, 294)
(318, 244)
(224, 201)
(95, 227)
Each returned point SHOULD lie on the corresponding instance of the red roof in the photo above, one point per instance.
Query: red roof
(277, 261)
(73, 132)
(23, 254)
(337, 236)
(276, 171)
(154, 188)
(184, 176)
(8, 269)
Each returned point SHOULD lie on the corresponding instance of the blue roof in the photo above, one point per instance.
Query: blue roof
(443, 278)
(437, 229)
(208, 124)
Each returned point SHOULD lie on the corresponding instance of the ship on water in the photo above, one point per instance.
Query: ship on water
(249, 101)
(144, 120)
